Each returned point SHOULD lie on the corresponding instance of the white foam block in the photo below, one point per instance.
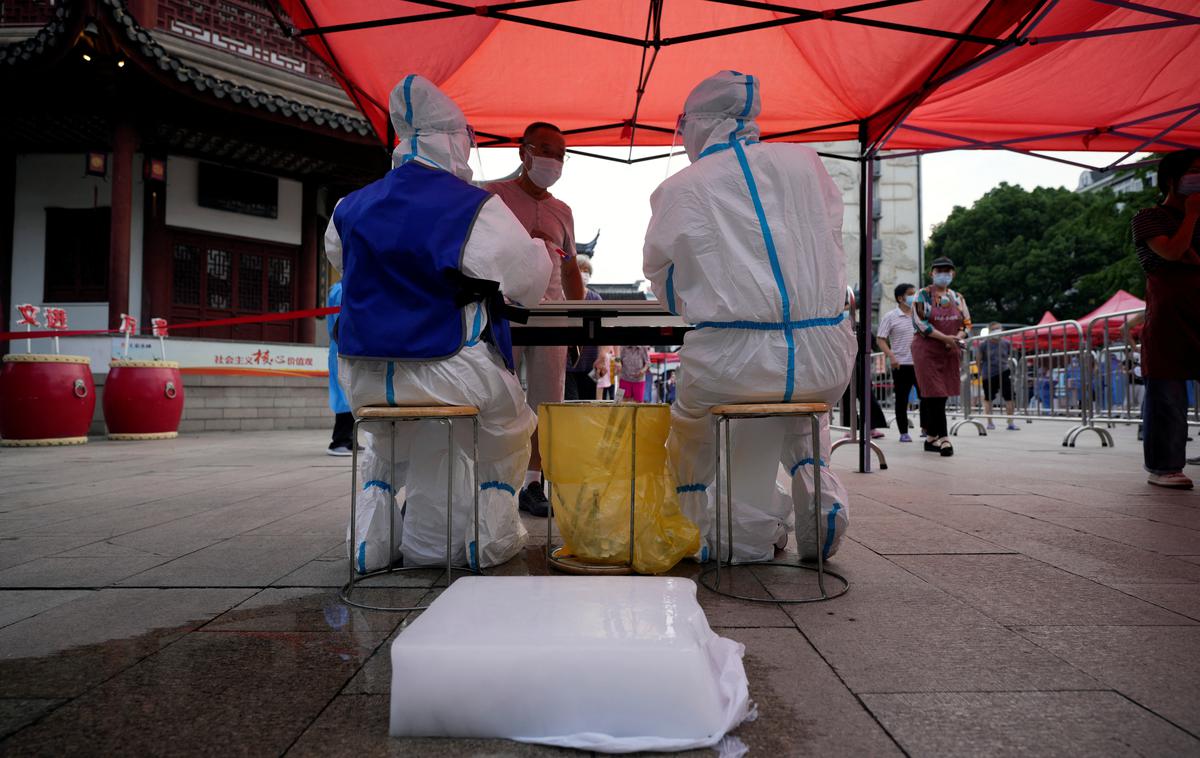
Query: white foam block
(615, 664)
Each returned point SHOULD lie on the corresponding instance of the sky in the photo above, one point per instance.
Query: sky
(614, 198)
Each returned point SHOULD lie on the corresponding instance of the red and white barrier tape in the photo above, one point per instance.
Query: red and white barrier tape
(256, 319)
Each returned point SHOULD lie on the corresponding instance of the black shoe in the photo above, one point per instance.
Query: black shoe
(947, 449)
(533, 500)
(932, 447)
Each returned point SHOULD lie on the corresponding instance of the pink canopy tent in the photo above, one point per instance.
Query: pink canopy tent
(1122, 301)
(902, 75)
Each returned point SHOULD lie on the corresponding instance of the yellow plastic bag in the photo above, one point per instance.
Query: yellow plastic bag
(590, 455)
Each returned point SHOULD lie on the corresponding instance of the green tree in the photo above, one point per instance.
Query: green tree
(1020, 253)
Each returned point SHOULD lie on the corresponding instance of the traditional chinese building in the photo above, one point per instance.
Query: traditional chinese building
(175, 159)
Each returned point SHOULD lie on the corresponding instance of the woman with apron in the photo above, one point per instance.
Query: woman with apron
(1167, 240)
(942, 321)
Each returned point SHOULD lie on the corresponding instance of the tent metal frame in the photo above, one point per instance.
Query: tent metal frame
(872, 142)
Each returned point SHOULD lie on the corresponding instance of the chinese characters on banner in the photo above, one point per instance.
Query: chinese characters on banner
(263, 358)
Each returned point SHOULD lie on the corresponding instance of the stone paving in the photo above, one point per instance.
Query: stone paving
(1020, 598)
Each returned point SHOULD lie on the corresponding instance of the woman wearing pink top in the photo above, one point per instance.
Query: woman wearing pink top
(635, 363)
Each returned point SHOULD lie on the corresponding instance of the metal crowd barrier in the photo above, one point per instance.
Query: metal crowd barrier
(1117, 387)
(1049, 369)
(1086, 374)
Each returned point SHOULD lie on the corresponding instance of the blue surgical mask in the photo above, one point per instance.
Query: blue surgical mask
(910, 299)
(943, 279)
(1189, 184)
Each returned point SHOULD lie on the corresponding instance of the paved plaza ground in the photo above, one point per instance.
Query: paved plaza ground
(1020, 598)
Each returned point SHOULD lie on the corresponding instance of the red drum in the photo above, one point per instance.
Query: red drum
(143, 400)
(46, 400)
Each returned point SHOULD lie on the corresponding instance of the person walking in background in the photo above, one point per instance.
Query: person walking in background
(635, 364)
(343, 420)
(996, 373)
(878, 420)
(895, 340)
(942, 321)
(1167, 240)
(587, 361)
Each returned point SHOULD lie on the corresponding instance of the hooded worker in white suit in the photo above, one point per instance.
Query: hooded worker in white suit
(745, 244)
(425, 258)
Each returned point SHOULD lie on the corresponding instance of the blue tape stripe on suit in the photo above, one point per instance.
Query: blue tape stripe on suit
(671, 306)
(830, 529)
(776, 270)
(408, 114)
(498, 486)
(806, 462)
(390, 389)
(377, 483)
(691, 488)
(771, 326)
(477, 327)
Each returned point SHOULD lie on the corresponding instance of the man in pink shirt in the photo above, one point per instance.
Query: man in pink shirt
(543, 151)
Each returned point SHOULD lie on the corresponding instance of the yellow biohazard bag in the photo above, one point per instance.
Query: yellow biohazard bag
(592, 454)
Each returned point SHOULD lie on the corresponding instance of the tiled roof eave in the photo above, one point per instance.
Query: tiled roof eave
(137, 40)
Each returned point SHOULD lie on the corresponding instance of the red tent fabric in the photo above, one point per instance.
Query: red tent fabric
(1056, 337)
(956, 73)
(1122, 301)
(1047, 318)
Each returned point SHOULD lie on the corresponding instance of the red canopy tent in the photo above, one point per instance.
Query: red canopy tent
(1051, 337)
(903, 75)
(1118, 303)
(927, 74)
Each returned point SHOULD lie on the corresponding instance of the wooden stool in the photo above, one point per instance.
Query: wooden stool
(723, 414)
(443, 414)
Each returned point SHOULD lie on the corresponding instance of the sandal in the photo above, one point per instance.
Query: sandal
(945, 448)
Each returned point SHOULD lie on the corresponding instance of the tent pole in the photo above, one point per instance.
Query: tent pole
(864, 304)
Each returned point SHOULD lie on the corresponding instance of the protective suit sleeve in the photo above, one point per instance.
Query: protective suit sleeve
(333, 243)
(500, 250)
(673, 224)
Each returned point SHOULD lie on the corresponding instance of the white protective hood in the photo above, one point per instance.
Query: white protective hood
(429, 127)
(720, 110)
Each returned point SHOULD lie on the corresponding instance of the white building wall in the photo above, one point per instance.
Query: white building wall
(184, 212)
(899, 230)
(58, 181)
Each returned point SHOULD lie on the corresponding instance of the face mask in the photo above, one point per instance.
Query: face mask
(943, 279)
(910, 299)
(586, 277)
(542, 171)
(1189, 184)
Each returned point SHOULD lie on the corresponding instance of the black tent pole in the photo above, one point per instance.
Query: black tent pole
(863, 369)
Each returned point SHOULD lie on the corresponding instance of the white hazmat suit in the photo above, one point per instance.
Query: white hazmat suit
(745, 244)
(432, 130)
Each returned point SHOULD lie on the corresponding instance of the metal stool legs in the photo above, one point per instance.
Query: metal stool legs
(347, 590)
(726, 468)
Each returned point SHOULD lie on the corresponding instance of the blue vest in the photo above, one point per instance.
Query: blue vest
(402, 246)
